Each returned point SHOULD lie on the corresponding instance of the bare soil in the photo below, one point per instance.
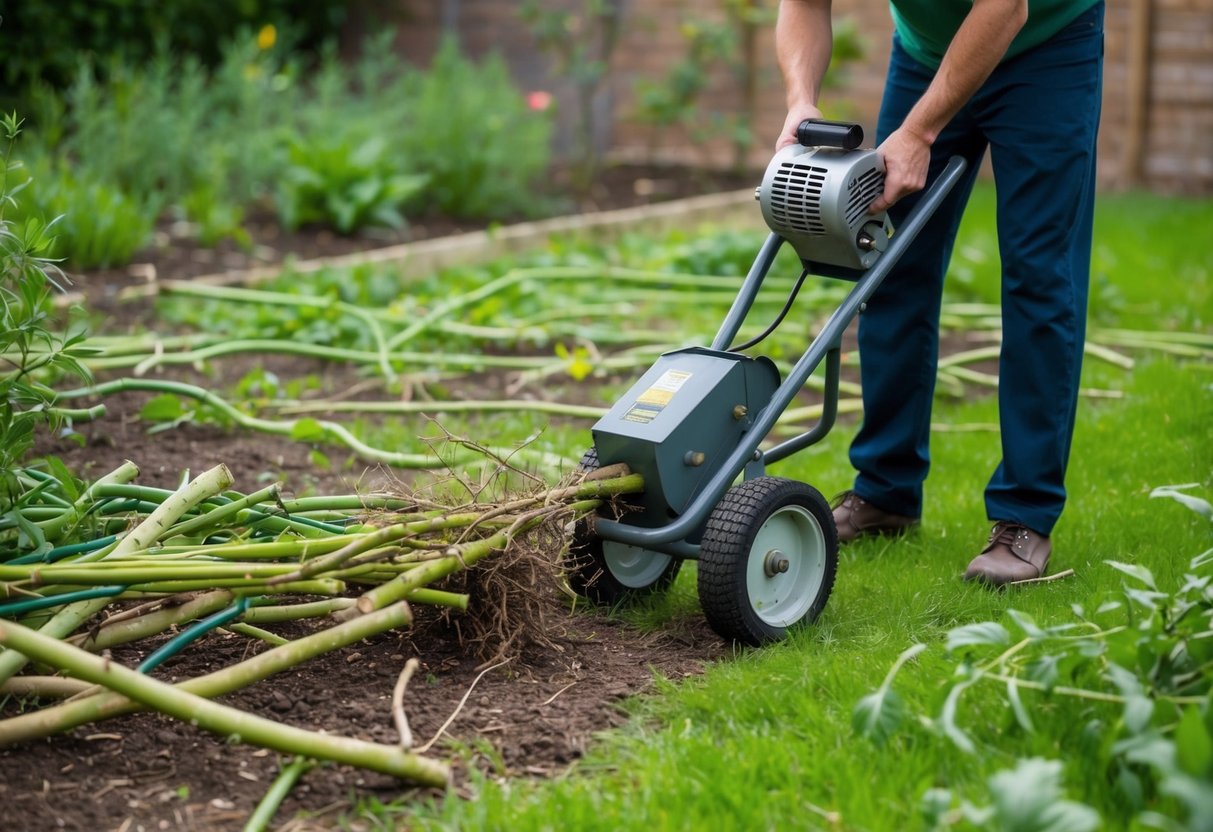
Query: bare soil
(532, 716)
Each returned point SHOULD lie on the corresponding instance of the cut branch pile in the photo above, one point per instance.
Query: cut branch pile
(84, 571)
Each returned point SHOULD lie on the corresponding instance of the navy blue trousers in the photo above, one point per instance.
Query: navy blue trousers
(1038, 114)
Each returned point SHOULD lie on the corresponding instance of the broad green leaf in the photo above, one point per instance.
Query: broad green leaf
(1193, 745)
(934, 805)
(1134, 570)
(308, 430)
(1026, 623)
(1021, 713)
(878, 715)
(1150, 749)
(985, 632)
(1043, 670)
(1195, 794)
(163, 408)
(947, 719)
(1029, 798)
(59, 471)
(1128, 783)
(1202, 507)
(1138, 708)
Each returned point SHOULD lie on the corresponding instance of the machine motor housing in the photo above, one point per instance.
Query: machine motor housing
(817, 199)
(679, 422)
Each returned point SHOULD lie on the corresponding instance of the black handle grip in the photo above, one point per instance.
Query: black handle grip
(815, 132)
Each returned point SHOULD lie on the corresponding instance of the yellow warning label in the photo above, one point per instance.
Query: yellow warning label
(655, 396)
(654, 400)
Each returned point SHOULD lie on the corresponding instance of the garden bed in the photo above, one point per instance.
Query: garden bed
(531, 717)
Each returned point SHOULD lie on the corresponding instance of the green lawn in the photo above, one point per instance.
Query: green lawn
(765, 740)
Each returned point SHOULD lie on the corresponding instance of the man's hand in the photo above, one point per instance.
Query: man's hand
(795, 115)
(978, 46)
(906, 155)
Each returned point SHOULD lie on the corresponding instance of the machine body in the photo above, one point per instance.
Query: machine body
(695, 421)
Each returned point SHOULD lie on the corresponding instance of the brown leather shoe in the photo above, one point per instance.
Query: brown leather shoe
(856, 517)
(1013, 553)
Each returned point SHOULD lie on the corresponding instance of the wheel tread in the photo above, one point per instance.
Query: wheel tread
(725, 548)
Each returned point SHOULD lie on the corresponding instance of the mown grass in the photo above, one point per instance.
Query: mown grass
(764, 740)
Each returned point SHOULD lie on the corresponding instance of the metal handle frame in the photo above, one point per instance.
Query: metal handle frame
(671, 538)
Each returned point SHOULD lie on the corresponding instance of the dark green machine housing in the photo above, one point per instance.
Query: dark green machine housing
(679, 422)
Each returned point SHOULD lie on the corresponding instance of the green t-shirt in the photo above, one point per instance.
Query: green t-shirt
(926, 27)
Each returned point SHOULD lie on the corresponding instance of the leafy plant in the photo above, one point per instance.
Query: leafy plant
(95, 223)
(347, 183)
(474, 136)
(1027, 798)
(215, 217)
(29, 347)
(1146, 653)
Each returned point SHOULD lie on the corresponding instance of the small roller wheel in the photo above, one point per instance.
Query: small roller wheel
(612, 573)
(767, 560)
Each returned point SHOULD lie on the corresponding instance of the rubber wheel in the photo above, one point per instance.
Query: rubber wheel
(768, 559)
(613, 573)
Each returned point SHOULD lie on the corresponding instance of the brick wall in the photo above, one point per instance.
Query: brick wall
(1157, 127)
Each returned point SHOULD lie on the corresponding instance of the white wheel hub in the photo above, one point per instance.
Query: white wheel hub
(786, 566)
(633, 567)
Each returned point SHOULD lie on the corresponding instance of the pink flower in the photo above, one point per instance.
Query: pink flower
(539, 100)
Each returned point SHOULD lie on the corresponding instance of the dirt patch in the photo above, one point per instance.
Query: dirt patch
(529, 717)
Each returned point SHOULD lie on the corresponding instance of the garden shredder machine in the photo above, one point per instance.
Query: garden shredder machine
(695, 422)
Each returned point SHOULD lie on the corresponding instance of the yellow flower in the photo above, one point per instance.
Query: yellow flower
(267, 36)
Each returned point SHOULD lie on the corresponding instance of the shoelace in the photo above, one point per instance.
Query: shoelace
(1008, 534)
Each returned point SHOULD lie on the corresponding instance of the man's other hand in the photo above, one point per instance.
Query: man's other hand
(906, 155)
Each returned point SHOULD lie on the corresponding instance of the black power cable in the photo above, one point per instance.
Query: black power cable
(783, 313)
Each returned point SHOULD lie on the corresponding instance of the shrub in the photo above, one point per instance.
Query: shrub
(30, 348)
(473, 135)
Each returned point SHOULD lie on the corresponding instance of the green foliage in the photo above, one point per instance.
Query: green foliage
(216, 217)
(473, 136)
(31, 350)
(1145, 649)
(347, 144)
(345, 183)
(1027, 798)
(130, 31)
(95, 224)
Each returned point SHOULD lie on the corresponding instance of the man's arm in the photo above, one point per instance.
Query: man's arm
(804, 40)
(979, 44)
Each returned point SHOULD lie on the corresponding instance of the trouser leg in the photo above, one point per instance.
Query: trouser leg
(1040, 112)
(899, 331)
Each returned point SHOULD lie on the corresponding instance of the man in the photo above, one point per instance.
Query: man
(1023, 80)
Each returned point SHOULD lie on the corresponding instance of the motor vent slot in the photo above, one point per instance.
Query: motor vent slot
(796, 197)
(869, 186)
